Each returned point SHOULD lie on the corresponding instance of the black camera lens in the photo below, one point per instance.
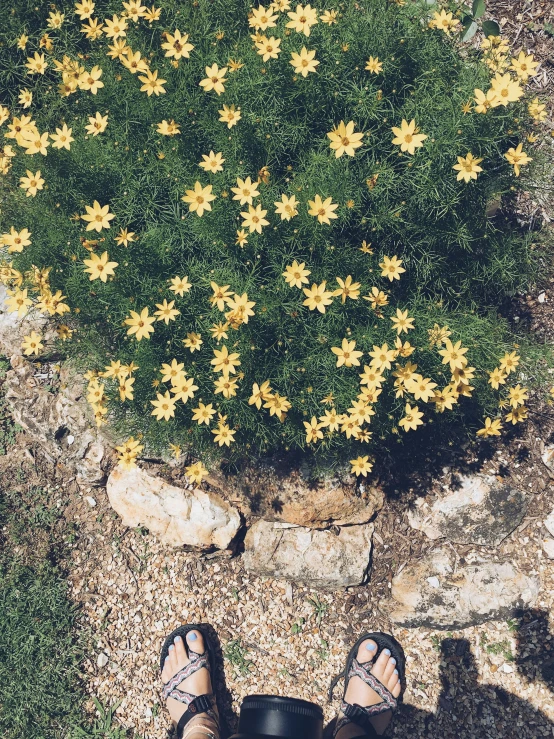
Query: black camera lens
(274, 716)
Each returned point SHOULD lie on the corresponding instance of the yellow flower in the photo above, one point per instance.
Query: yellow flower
(344, 140)
(234, 66)
(176, 450)
(134, 10)
(286, 207)
(468, 167)
(212, 162)
(443, 21)
(422, 388)
(126, 389)
(347, 289)
(317, 297)
(509, 362)
(124, 237)
(240, 309)
(140, 324)
(438, 334)
(193, 341)
(203, 413)
(93, 30)
(164, 406)
(361, 411)
(412, 418)
(166, 312)
(453, 354)
(407, 136)
(302, 19)
(537, 110)
(304, 62)
(506, 89)
(517, 157)
(278, 405)
(152, 14)
(245, 191)
(98, 124)
(242, 238)
(516, 415)
(62, 138)
(392, 268)
(226, 385)
(84, 9)
(214, 80)
(295, 275)
(346, 355)
(377, 298)
(382, 357)
(259, 393)
(373, 65)
(491, 428)
(224, 362)
(22, 42)
(329, 17)
(128, 452)
(34, 142)
(116, 27)
(219, 331)
(485, 101)
(32, 344)
(132, 61)
(36, 64)
(196, 472)
(496, 378)
(254, 218)
(313, 430)
(16, 240)
(330, 420)
(222, 296)
(177, 45)
(401, 322)
(350, 426)
(223, 435)
(517, 395)
(173, 372)
(17, 300)
(168, 128)
(64, 332)
(229, 115)
(152, 84)
(524, 66)
(268, 48)
(183, 388)
(180, 285)
(91, 80)
(98, 216)
(199, 199)
(324, 210)
(361, 465)
(261, 19)
(25, 98)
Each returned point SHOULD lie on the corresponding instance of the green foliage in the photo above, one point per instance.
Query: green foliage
(460, 264)
(236, 653)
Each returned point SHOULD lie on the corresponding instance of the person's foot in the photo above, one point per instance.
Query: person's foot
(359, 692)
(199, 683)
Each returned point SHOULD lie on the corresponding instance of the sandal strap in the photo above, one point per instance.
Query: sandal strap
(197, 662)
(362, 670)
(199, 704)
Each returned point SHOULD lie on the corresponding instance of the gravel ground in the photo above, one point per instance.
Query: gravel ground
(493, 680)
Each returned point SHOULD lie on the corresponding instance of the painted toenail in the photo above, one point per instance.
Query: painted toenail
(177, 638)
(396, 672)
(171, 647)
(393, 661)
(386, 651)
(166, 658)
(193, 636)
(371, 647)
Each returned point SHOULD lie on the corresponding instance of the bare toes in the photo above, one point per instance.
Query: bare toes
(195, 642)
(389, 669)
(381, 664)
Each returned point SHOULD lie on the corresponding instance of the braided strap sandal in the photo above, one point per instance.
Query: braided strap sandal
(361, 715)
(195, 704)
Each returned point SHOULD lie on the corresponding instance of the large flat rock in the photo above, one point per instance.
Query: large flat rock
(177, 516)
(480, 510)
(318, 558)
(438, 593)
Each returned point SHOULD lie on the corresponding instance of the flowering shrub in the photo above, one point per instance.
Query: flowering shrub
(265, 227)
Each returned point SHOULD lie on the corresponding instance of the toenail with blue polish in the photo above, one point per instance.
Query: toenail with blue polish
(393, 661)
(177, 638)
(171, 647)
(386, 651)
(396, 672)
(371, 647)
(192, 636)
